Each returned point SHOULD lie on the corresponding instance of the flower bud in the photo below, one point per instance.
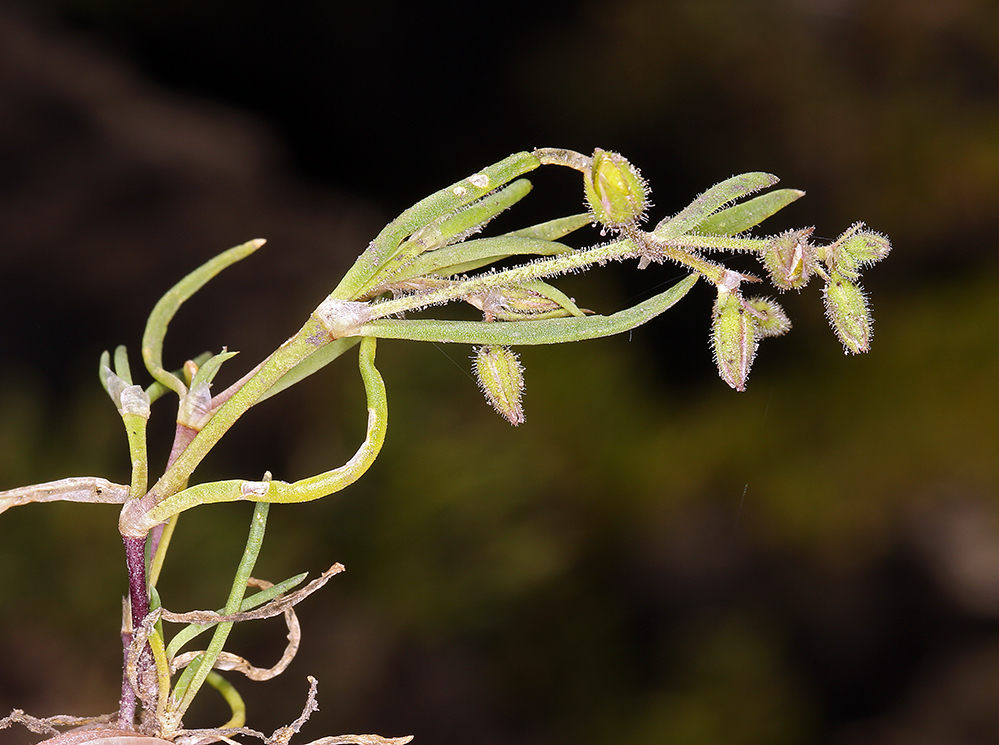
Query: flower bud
(532, 300)
(790, 259)
(854, 249)
(615, 190)
(866, 246)
(768, 317)
(847, 311)
(733, 339)
(501, 378)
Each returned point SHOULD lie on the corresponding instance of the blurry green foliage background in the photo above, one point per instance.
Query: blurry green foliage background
(651, 558)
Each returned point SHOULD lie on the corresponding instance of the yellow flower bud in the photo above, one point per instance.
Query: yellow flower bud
(501, 378)
(615, 190)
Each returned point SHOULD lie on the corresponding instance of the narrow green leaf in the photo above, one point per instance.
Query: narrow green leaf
(440, 204)
(190, 682)
(743, 216)
(121, 367)
(448, 229)
(210, 367)
(105, 362)
(544, 331)
(169, 304)
(475, 254)
(554, 229)
(711, 201)
(237, 708)
(193, 630)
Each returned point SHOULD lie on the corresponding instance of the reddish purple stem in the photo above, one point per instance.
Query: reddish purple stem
(135, 561)
(138, 592)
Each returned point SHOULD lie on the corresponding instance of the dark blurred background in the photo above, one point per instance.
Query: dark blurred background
(652, 557)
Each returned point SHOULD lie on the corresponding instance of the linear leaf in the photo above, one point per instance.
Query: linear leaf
(441, 203)
(169, 304)
(711, 201)
(743, 216)
(475, 254)
(543, 331)
(554, 229)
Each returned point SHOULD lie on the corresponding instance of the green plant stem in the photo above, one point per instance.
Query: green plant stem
(309, 338)
(303, 490)
(561, 264)
(188, 686)
(135, 431)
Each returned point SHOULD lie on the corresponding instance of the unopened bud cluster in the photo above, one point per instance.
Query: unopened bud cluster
(791, 260)
(618, 197)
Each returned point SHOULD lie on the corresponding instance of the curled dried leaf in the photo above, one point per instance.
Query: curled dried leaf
(269, 610)
(229, 661)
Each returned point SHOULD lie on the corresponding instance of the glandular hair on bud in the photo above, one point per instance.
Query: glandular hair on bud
(734, 339)
(615, 190)
(501, 378)
(848, 314)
